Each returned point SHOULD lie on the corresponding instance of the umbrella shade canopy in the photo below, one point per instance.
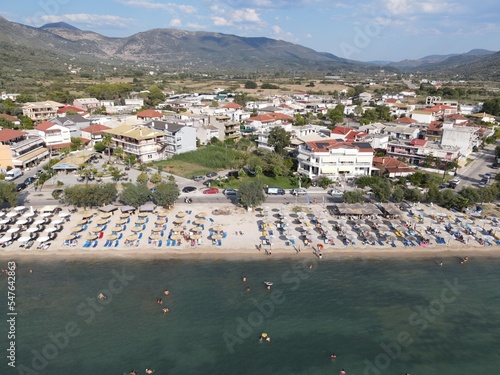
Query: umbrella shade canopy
(126, 209)
(13, 230)
(181, 214)
(175, 237)
(96, 229)
(82, 222)
(22, 222)
(86, 215)
(19, 208)
(160, 222)
(91, 237)
(178, 221)
(29, 214)
(121, 222)
(43, 239)
(117, 229)
(4, 221)
(70, 237)
(11, 214)
(155, 236)
(291, 236)
(105, 215)
(66, 214)
(132, 237)
(217, 236)
(124, 215)
(47, 214)
(76, 229)
(108, 208)
(199, 222)
(136, 229)
(202, 214)
(196, 229)
(24, 239)
(177, 229)
(156, 230)
(218, 228)
(32, 230)
(143, 214)
(111, 237)
(140, 221)
(2, 214)
(195, 236)
(148, 207)
(58, 222)
(50, 229)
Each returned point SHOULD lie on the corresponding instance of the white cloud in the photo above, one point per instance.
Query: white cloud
(406, 7)
(235, 17)
(85, 19)
(220, 21)
(196, 26)
(168, 7)
(309, 36)
(175, 22)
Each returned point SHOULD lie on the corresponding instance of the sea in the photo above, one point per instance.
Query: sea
(375, 316)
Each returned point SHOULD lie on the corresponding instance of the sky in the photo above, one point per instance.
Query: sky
(364, 30)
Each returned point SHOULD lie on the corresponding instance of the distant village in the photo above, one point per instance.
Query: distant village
(443, 129)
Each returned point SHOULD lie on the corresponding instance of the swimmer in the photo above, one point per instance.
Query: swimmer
(268, 339)
(31, 271)
(165, 310)
(244, 279)
(440, 264)
(159, 301)
(333, 356)
(466, 259)
(166, 292)
(342, 372)
(310, 266)
(133, 372)
(102, 297)
(269, 287)
(248, 289)
(149, 371)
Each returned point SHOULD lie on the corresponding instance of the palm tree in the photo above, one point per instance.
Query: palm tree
(107, 141)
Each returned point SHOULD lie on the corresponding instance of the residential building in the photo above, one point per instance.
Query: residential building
(93, 133)
(178, 138)
(41, 111)
(422, 116)
(54, 136)
(149, 114)
(87, 104)
(10, 118)
(23, 150)
(335, 159)
(145, 143)
(4, 96)
(391, 167)
(484, 117)
(463, 137)
(75, 123)
(416, 151)
(61, 112)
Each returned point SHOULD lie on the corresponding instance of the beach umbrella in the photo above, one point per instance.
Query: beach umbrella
(96, 229)
(105, 215)
(218, 228)
(76, 229)
(132, 237)
(121, 222)
(140, 221)
(65, 214)
(81, 222)
(111, 237)
(216, 236)
(155, 236)
(196, 229)
(179, 221)
(29, 214)
(160, 222)
(47, 214)
(124, 215)
(291, 236)
(13, 230)
(2, 214)
(202, 215)
(143, 214)
(175, 237)
(11, 214)
(117, 229)
(58, 222)
(43, 239)
(181, 214)
(199, 222)
(157, 230)
(195, 236)
(91, 237)
(177, 229)
(365, 227)
(50, 229)
(23, 239)
(39, 222)
(136, 229)
(32, 230)
(22, 222)
(86, 215)
(2, 222)
(19, 208)
(351, 236)
(70, 237)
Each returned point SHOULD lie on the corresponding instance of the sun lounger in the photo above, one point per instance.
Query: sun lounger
(219, 243)
(120, 236)
(87, 244)
(117, 243)
(224, 234)
(167, 242)
(95, 244)
(140, 235)
(211, 220)
(380, 242)
(160, 243)
(393, 244)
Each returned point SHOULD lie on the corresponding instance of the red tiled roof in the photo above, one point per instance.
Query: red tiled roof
(8, 134)
(95, 128)
(392, 165)
(349, 133)
(59, 146)
(270, 117)
(9, 117)
(405, 120)
(330, 144)
(418, 142)
(44, 126)
(436, 126)
(457, 116)
(438, 108)
(71, 108)
(391, 100)
(149, 113)
(232, 106)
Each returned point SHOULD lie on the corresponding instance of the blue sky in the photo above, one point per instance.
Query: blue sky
(360, 30)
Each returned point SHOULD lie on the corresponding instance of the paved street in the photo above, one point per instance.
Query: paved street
(473, 173)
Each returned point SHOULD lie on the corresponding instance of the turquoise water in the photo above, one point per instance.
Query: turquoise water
(352, 307)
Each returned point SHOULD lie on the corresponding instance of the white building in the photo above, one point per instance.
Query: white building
(178, 138)
(335, 159)
(54, 136)
(41, 111)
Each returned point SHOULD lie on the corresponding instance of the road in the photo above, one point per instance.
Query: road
(471, 174)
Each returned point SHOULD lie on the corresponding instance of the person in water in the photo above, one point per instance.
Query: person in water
(166, 292)
(244, 279)
(159, 301)
(165, 310)
(342, 372)
(149, 371)
(333, 356)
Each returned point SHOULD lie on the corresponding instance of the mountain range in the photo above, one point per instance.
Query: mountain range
(50, 47)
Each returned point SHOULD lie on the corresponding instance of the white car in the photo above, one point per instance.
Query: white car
(299, 192)
(336, 192)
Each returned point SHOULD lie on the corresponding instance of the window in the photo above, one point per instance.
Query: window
(150, 156)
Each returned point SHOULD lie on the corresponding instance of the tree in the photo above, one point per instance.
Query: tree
(258, 171)
(135, 195)
(76, 144)
(324, 182)
(6, 124)
(90, 195)
(99, 147)
(107, 141)
(279, 139)
(398, 194)
(155, 96)
(336, 115)
(155, 178)
(130, 159)
(8, 193)
(118, 152)
(142, 178)
(354, 196)
(251, 193)
(250, 85)
(165, 194)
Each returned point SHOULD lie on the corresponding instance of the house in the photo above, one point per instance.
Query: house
(54, 136)
(484, 117)
(435, 130)
(41, 111)
(23, 150)
(402, 132)
(422, 116)
(149, 114)
(75, 123)
(178, 138)
(366, 97)
(87, 104)
(335, 159)
(392, 167)
(416, 151)
(405, 120)
(93, 133)
(10, 118)
(205, 133)
(61, 112)
(145, 143)
(463, 137)
(261, 121)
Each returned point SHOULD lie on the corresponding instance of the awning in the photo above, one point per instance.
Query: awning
(329, 170)
(148, 207)
(49, 208)
(31, 156)
(108, 208)
(127, 208)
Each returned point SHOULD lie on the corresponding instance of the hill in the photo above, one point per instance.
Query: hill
(436, 59)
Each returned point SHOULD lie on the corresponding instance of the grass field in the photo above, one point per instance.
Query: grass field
(282, 182)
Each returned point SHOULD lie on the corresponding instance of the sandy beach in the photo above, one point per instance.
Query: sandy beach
(243, 235)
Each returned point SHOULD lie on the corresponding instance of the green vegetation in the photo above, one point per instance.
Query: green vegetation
(92, 195)
(8, 193)
(251, 193)
(165, 194)
(492, 106)
(135, 195)
(279, 139)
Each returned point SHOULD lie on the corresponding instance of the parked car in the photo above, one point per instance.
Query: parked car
(299, 192)
(188, 189)
(29, 180)
(211, 191)
(21, 186)
(198, 178)
(335, 192)
(211, 174)
(208, 182)
(487, 175)
(230, 192)
(483, 182)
